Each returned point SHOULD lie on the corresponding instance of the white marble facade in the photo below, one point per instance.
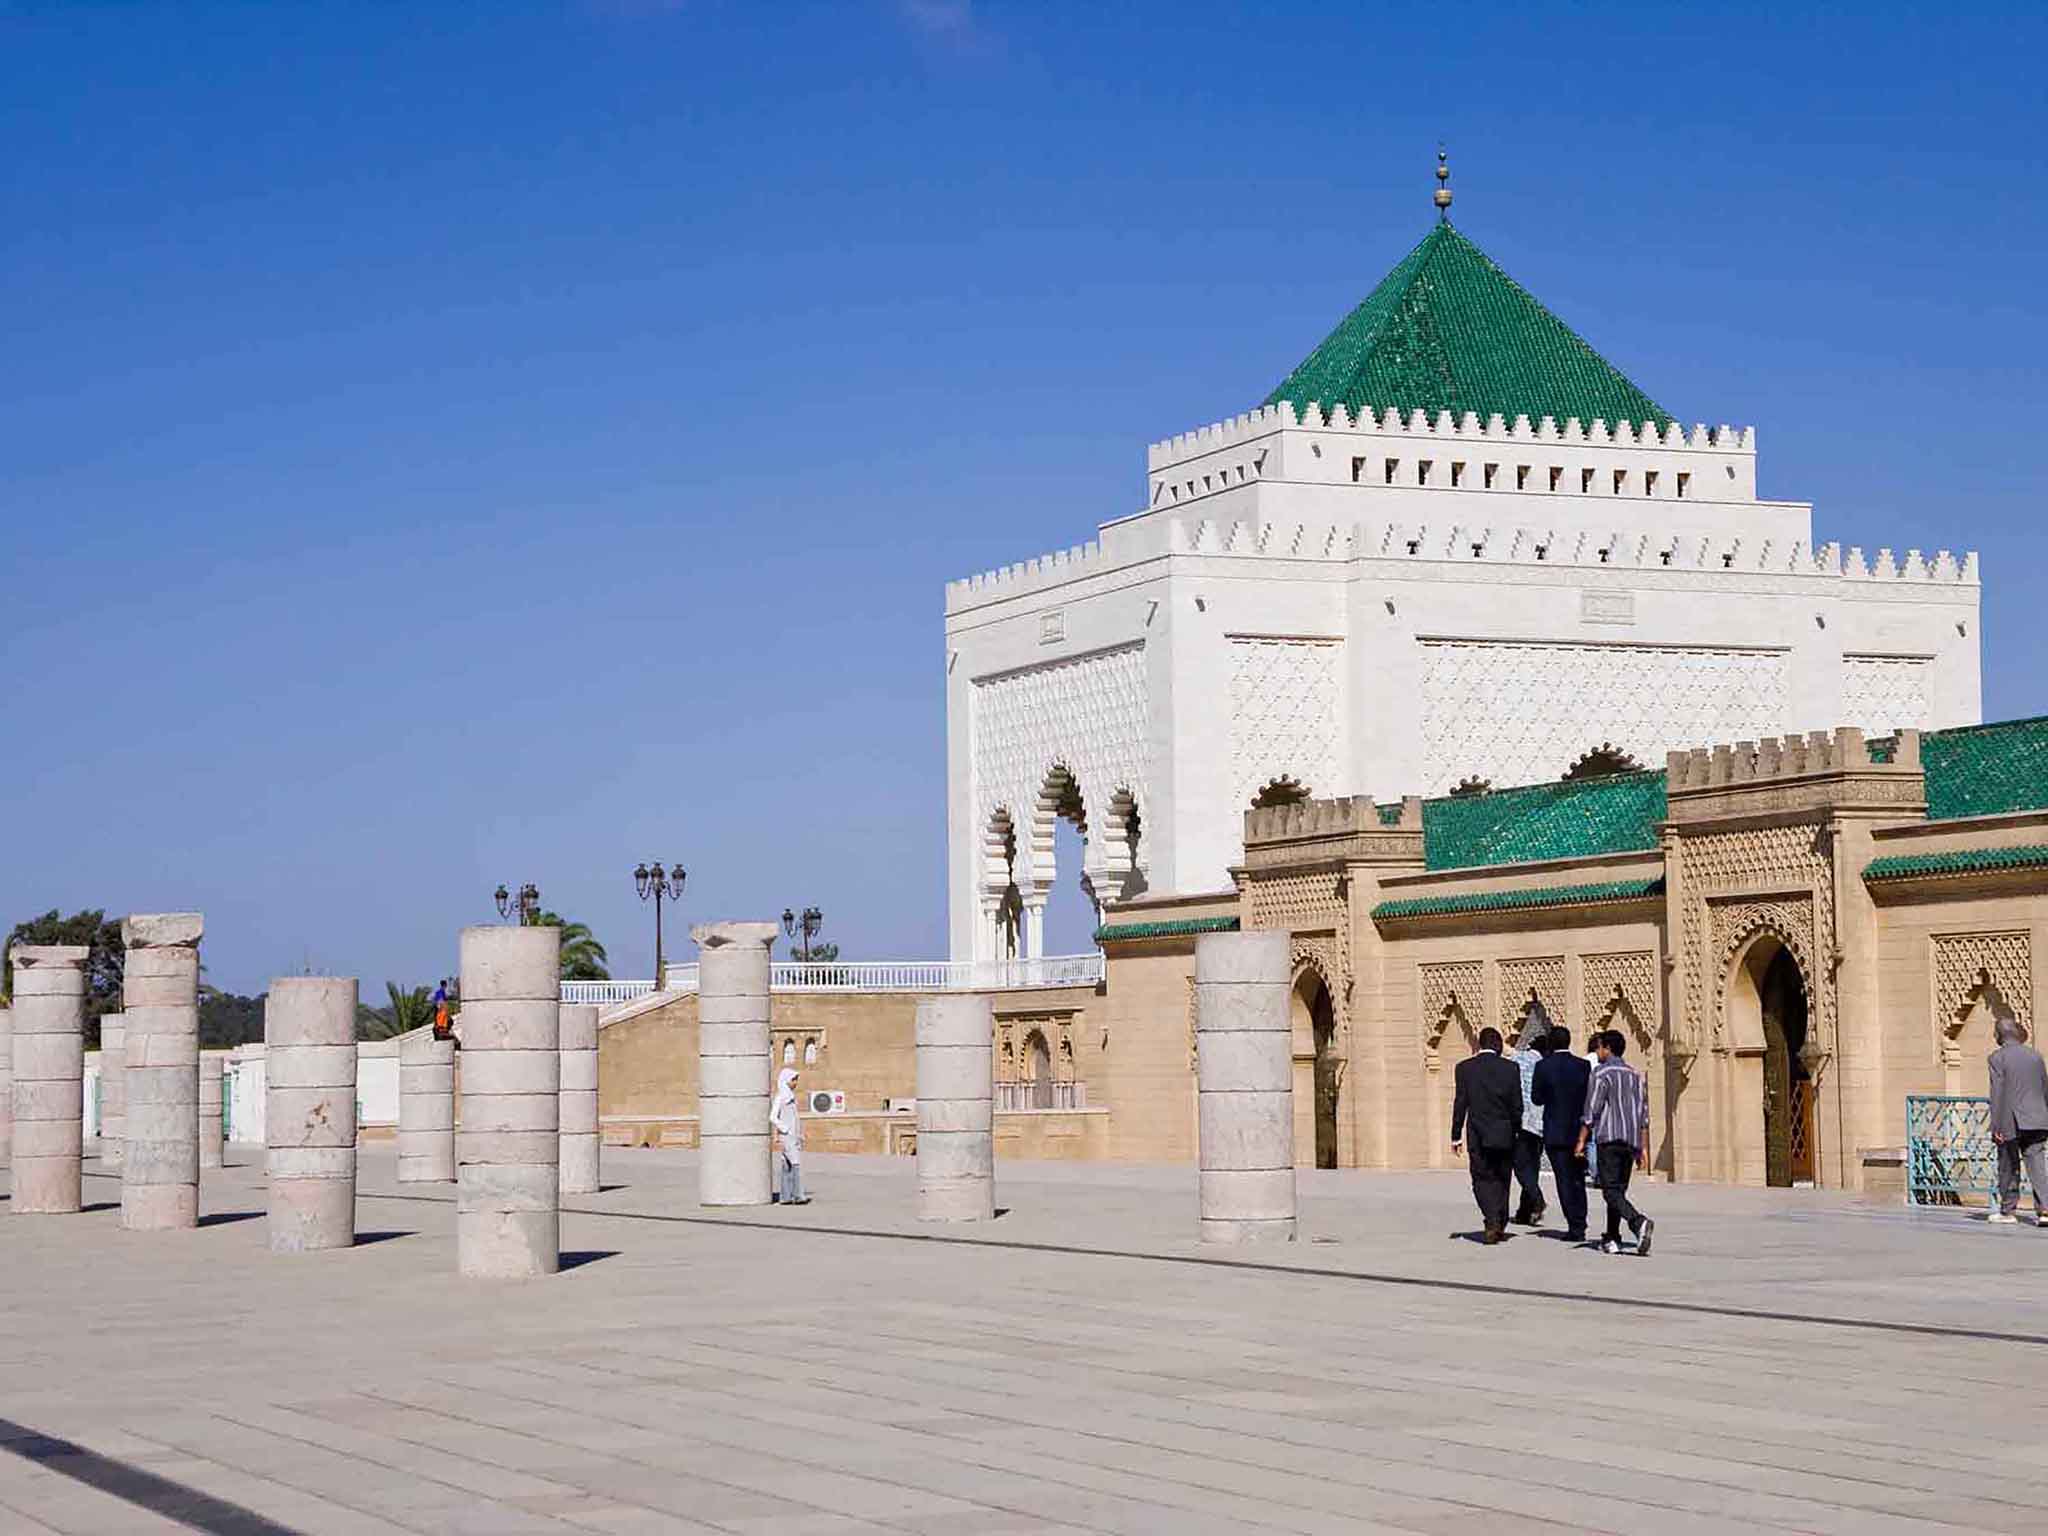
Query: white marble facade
(1388, 607)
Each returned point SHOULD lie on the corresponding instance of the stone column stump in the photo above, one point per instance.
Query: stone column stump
(956, 1109)
(426, 1109)
(210, 1067)
(160, 1009)
(309, 1112)
(1245, 1087)
(579, 1099)
(49, 1078)
(113, 1089)
(508, 1152)
(7, 1088)
(734, 1075)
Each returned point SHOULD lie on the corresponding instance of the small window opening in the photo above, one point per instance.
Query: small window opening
(1684, 484)
(1585, 482)
(1603, 557)
(1393, 468)
(1422, 469)
(1414, 546)
(1665, 557)
(1542, 551)
(1556, 476)
(1492, 473)
(1478, 550)
(1728, 561)
(1620, 481)
(1457, 473)
(1649, 482)
(1357, 469)
(1521, 477)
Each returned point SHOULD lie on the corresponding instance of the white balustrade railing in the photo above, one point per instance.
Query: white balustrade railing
(872, 976)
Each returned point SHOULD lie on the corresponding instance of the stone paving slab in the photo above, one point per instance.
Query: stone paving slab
(1788, 1360)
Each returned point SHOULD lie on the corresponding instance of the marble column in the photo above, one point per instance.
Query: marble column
(160, 1006)
(508, 1151)
(210, 1065)
(309, 1111)
(49, 1077)
(579, 1099)
(426, 1108)
(734, 1076)
(7, 1088)
(1244, 1078)
(956, 1108)
(113, 1089)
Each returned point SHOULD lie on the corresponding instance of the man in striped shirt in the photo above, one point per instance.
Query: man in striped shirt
(1617, 1119)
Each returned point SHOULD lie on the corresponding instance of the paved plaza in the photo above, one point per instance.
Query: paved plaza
(1788, 1360)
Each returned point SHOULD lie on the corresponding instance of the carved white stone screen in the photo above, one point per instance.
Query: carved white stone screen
(1516, 713)
(1882, 694)
(1087, 714)
(1285, 713)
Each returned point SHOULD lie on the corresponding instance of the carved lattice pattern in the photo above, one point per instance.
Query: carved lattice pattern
(1285, 713)
(1086, 715)
(1964, 962)
(1454, 989)
(1542, 975)
(1521, 713)
(1618, 983)
(1311, 903)
(1882, 694)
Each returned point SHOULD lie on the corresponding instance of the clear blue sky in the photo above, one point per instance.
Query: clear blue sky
(501, 442)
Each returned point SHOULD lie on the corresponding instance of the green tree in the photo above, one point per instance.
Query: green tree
(228, 1019)
(408, 1011)
(583, 958)
(103, 962)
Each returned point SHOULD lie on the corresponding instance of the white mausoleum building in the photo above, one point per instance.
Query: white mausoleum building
(1454, 546)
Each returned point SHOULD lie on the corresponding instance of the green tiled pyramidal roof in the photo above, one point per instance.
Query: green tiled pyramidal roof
(1565, 820)
(1504, 901)
(1986, 770)
(1447, 330)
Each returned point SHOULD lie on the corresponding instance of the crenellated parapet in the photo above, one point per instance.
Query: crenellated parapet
(1347, 828)
(1819, 771)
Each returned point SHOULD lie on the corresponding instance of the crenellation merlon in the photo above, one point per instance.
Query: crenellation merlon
(1789, 757)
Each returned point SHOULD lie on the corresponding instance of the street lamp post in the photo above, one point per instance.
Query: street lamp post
(663, 885)
(808, 925)
(526, 903)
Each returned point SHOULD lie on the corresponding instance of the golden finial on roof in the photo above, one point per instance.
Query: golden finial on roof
(1442, 198)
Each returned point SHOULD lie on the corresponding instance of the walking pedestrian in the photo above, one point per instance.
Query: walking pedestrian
(1529, 1051)
(1560, 1089)
(1617, 1118)
(786, 1119)
(1489, 1092)
(2019, 1121)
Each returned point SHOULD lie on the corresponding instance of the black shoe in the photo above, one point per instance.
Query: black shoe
(1643, 1238)
(1575, 1235)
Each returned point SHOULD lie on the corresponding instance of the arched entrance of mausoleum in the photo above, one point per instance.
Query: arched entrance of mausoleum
(1318, 1070)
(1772, 1098)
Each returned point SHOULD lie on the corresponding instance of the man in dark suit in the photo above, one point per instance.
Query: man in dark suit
(1560, 1087)
(1489, 1093)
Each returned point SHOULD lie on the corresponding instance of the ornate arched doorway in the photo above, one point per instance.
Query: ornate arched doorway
(1038, 1071)
(1768, 1020)
(1315, 1037)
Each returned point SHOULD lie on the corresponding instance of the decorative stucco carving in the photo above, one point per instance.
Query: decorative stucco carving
(1731, 885)
(1086, 715)
(1541, 978)
(1520, 713)
(1285, 713)
(1966, 966)
(1883, 694)
(1621, 985)
(1451, 991)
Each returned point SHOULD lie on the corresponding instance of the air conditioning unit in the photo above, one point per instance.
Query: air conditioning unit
(828, 1101)
(902, 1106)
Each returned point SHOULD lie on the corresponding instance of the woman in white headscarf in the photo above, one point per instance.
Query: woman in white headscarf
(787, 1122)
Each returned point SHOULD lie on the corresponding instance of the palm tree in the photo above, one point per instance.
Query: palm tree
(583, 958)
(408, 1011)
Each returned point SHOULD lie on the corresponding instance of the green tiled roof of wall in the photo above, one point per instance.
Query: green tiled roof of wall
(1985, 770)
(1448, 330)
(1504, 901)
(1910, 866)
(1179, 929)
(1566, 820)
